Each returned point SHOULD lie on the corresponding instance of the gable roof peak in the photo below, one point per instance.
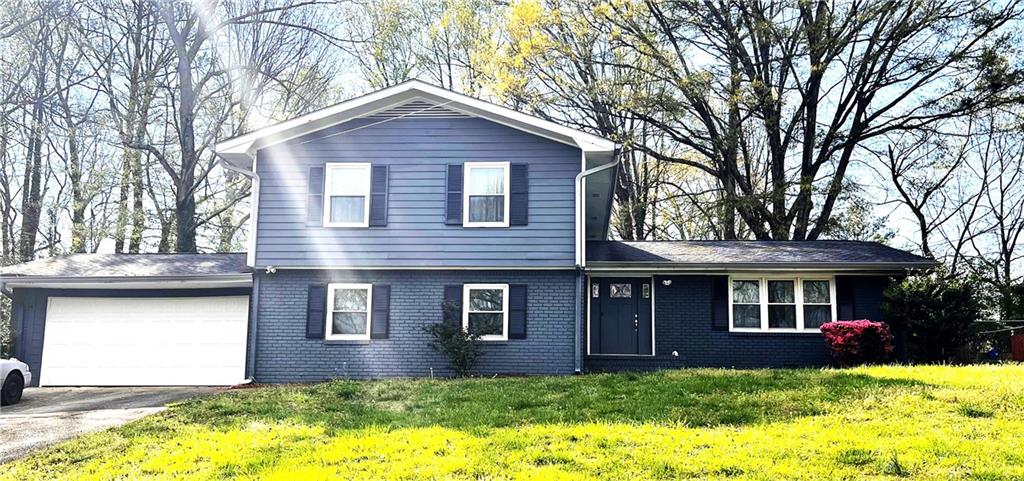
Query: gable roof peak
(238, 153)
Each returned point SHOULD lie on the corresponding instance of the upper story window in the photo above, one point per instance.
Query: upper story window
(347, 195)
(485, 308)
(486, 194)
(348, 311)
(784, 304)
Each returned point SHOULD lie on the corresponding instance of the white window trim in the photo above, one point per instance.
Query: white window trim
(504, 309)
(327, 193)
(465, 193)
(329, 327)
(798, 280)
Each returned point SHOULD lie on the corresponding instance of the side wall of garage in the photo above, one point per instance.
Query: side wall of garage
(29, 314)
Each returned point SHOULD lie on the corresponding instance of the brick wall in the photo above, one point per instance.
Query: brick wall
(682, 324)
(283, 354)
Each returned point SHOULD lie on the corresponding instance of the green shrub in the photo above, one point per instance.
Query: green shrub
(937, 313)
(460, 346)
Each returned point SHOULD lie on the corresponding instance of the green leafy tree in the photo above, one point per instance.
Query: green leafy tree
(937, 313)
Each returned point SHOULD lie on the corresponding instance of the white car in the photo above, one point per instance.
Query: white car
(14, 375)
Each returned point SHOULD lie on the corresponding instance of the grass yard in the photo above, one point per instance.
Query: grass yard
(870, 423)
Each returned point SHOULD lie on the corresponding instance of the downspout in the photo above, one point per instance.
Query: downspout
(254, 207)
(581, 221)
(254, 303)
(254, 298)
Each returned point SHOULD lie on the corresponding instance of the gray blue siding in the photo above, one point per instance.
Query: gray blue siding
(28, 316)
(283, 354)
(417, 151)
(683, 324)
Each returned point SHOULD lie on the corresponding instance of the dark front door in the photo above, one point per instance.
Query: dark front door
(620, 315)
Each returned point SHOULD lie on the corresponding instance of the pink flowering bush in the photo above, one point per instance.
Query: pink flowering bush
(858, 342)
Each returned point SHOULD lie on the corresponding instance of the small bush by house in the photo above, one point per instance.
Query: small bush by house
(460, 346)
(858, 342)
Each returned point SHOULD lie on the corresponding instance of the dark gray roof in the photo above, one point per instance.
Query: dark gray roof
(730, 254)
(131, 266)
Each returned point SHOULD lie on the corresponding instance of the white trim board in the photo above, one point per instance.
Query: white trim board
(416, 268)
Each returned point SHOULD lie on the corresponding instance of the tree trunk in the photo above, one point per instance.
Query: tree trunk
(185, 201)
(32, 193)
(6, 218)
(135, 169)
(122, 200)
(78, 195)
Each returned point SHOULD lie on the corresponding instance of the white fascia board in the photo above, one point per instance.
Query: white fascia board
(240, 151)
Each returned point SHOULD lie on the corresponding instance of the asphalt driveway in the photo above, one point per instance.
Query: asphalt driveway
(49, 415)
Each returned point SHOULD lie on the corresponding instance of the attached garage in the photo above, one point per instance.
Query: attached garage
(132, 320)
(144, 341)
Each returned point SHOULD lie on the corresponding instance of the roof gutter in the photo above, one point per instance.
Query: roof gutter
(581, 255)
(581, 214)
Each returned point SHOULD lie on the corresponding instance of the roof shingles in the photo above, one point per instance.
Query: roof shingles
(816, 253)
(131, 266)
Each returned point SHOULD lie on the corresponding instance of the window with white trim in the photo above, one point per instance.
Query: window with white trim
(485, 194)
(348, 311)
(746, 303)
(485, 309)
(781, 303)
(818, 305)
(347, 195)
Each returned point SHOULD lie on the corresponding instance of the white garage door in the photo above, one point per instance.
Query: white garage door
(147, 341)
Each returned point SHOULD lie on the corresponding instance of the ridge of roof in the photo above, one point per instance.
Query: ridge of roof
(238, 150)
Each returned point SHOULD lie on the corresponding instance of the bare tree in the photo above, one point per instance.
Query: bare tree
(921, 166)
(38, 36)
(385, 33)
(817, 81)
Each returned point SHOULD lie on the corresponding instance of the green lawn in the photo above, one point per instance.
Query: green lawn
(871, 423)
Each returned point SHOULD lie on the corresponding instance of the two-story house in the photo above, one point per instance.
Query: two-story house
(413, 205)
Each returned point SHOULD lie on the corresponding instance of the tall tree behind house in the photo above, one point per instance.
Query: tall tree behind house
(813, 84)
